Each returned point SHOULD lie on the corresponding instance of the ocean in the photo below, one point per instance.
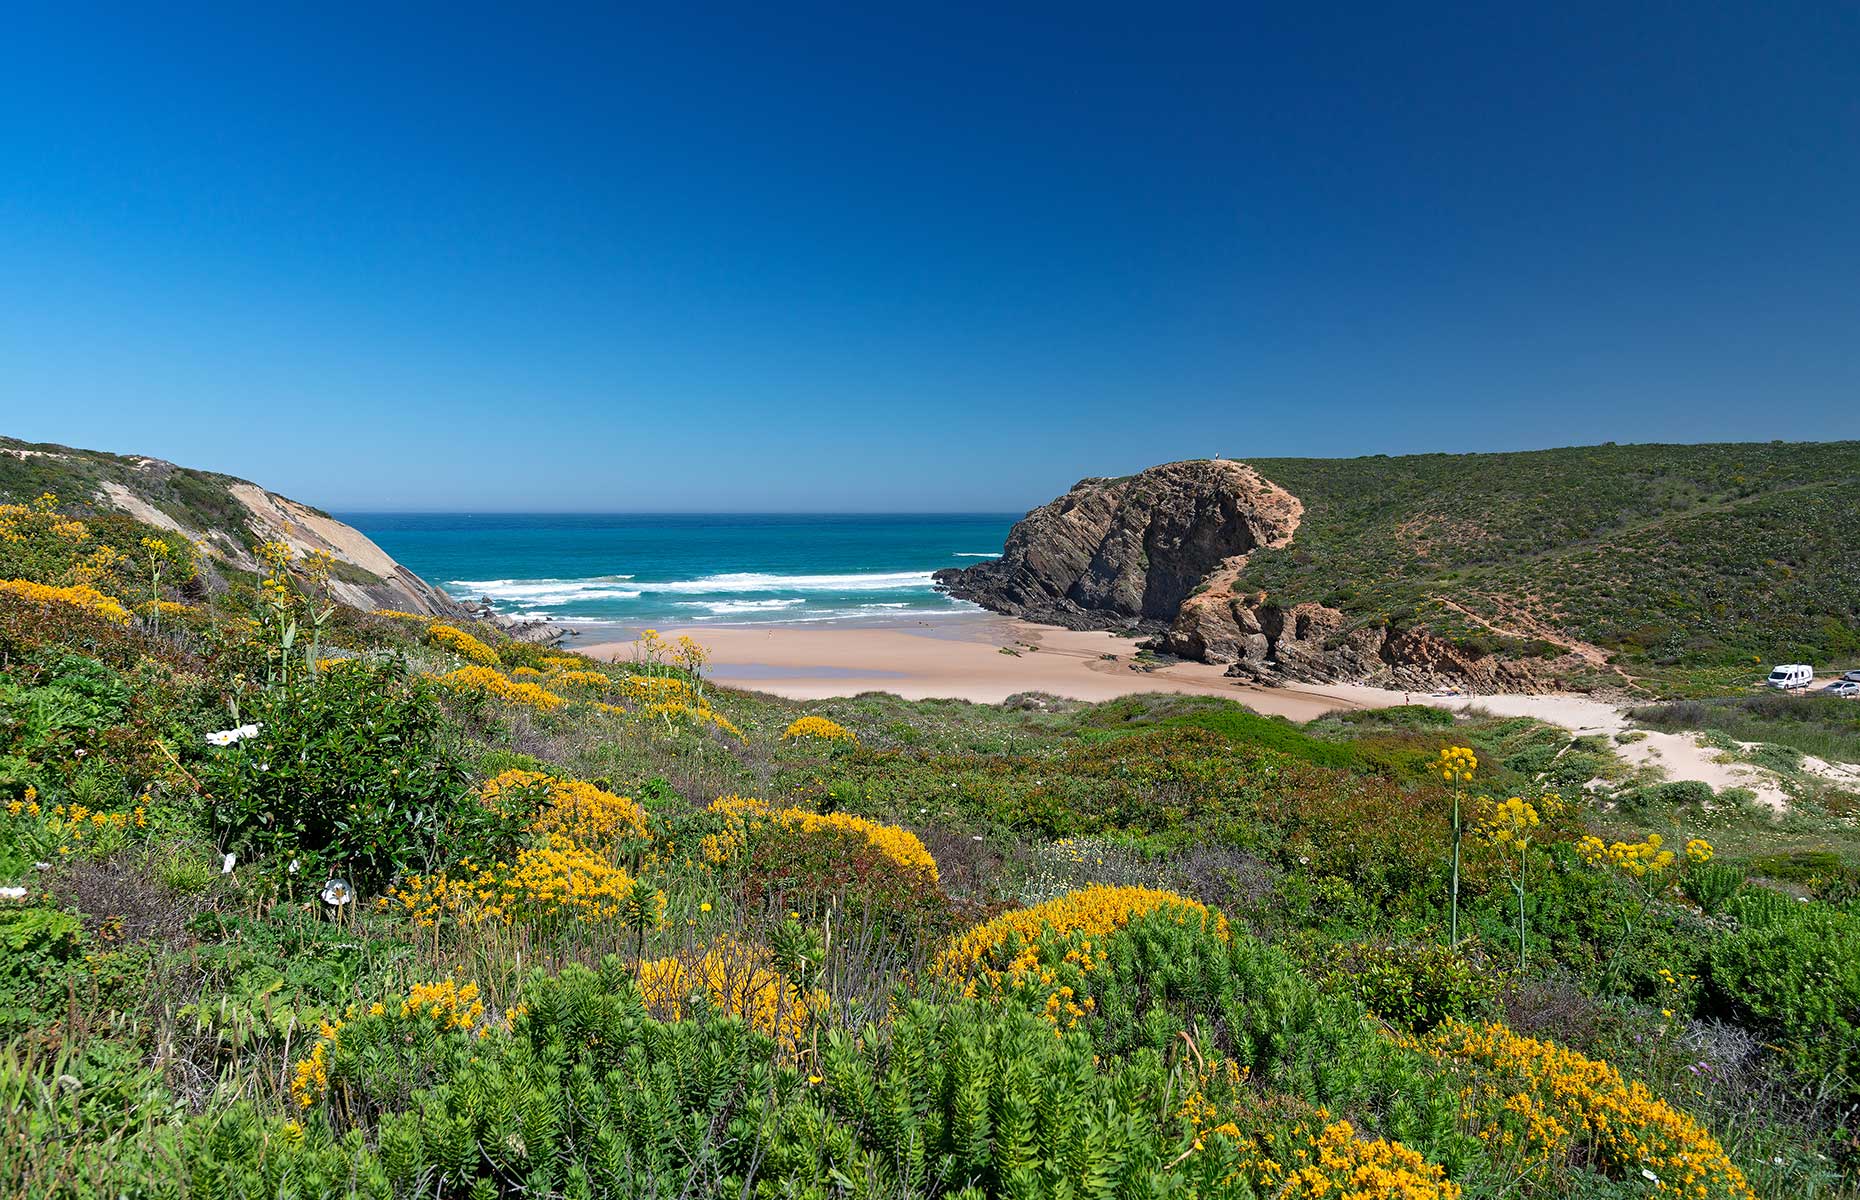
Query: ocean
(664, 570)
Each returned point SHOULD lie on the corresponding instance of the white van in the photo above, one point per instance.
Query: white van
(1790, 676)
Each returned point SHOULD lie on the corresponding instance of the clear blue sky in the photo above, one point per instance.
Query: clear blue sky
(776, 257)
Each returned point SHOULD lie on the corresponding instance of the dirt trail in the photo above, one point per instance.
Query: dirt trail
(1525, 627)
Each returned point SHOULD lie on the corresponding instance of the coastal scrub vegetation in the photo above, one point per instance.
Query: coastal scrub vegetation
(303, 900)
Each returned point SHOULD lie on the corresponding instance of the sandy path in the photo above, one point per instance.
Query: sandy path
(1678, 755)
(963, 658)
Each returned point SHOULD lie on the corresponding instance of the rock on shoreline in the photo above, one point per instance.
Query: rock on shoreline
(1161, 553)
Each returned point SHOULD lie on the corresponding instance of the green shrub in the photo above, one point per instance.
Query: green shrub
(37, 945)
(1165, 976)
(588, 1096)
(1712, 884)
(1412, 985)
(1791, 973)
(352, 773)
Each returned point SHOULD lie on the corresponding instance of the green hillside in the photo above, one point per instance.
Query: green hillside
(197, 499)
(1664, 555)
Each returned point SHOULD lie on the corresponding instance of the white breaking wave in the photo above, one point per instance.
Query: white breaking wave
(603, 586)
(757, 581)
(967, 554)
(548, 591)
(721, 607)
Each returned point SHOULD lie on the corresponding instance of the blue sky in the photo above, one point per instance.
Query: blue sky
(781, 257)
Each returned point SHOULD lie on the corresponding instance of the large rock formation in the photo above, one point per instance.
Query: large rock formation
(1162, 553)
(1125, 553)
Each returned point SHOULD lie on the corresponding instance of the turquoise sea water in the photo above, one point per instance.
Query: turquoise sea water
(679, 569)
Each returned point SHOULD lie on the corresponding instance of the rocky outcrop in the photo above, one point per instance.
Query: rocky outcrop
(1163, 552)
(1310, 643)
(1126, 553)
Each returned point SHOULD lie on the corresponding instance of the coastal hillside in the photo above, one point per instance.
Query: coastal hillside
(1587, 565)
(300, 899)
(221, 516)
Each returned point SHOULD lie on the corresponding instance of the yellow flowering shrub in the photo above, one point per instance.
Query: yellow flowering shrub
(818, 727)
(1335, 1164)
(1539, 1106)
(463, 644)
(451, 1004)
(1093, 911)
(571, 808)
(22, 522)
(78, 596)
(310, 1077)
(740, 979)
(741, 814)
(559, 879)
(445, 1006)
(485, 681)
(657, 689)
(66, 829)
(398, 615)
(562, 662)
(525, 673)
(586, 679)
(701, 714)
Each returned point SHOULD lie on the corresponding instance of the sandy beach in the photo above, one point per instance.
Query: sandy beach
(983, 658)
(967, 658)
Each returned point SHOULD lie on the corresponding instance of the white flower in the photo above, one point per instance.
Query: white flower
(1649, 1176)
(41, 866)
(227, 737)
(12, 893)
(292, 869)
(337, 892)
(226, 864)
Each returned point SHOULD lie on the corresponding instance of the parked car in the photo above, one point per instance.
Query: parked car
(1790, 676)
(1851, 677)
(1842, 687)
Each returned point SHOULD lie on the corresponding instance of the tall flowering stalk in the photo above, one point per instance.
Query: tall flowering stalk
(158, 552)
(1646, 865)
(281, 595)
(1513, 825)
(1456, 765)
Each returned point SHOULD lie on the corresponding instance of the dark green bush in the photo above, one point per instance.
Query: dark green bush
(1412, 985)
(1791, 973)
(353, 773)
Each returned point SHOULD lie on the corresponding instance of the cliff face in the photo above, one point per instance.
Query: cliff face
(1161, 552)
(1126, 553)
(225, 514)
